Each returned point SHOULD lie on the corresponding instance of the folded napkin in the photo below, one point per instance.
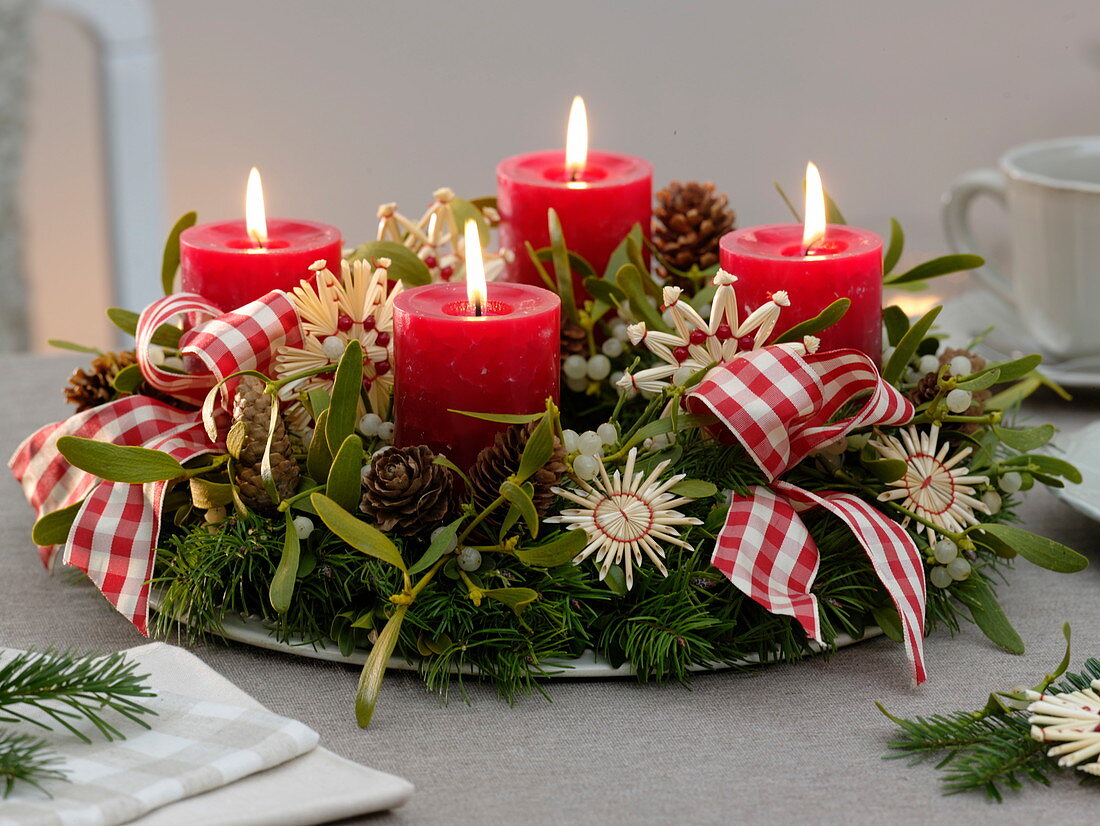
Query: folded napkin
(217, 758)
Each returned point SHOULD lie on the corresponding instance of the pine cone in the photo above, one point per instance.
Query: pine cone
(405, 492)
(574, 340)
(501, 459)
(926, 390)
(91, 388)
(688, 221)
(252, 406)
(976, 362)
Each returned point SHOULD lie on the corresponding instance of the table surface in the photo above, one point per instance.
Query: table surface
(784, 744)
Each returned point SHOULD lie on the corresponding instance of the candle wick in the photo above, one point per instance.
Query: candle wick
(573, 175)
(479, 311)
(256, 238)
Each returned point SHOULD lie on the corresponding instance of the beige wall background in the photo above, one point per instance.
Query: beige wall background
(346, 104)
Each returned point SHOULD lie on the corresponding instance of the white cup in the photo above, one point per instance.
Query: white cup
(1051, 191)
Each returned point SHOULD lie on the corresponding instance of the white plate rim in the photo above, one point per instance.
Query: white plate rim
(251, 631)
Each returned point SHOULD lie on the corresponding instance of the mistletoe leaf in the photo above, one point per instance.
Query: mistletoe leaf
(281, 590)
(1025, 439)
(554, 553)
(822, 321)
(119, 463)
(440, 545)
(894, 248)
(988, 614)
(171, 260)
(343, 407)
(344, 484)
(1046, 553)
(521, 500)
(53, 528)
(537, 451)
(357, 533)
(374, 671)
(907, 347)
(405, 265)
(515, 598)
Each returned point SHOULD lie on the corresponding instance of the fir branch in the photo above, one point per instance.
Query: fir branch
(66, 687)
(26, 759)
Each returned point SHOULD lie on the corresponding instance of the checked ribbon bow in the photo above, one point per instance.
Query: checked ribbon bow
(781, 407)
(114, 535)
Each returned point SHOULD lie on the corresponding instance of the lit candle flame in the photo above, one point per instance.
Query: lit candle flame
(255, 217)
(475, 269)
(813, 230)
(576, 139)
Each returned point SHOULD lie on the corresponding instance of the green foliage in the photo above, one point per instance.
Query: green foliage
(405, 265)
(60, 688)
(990, 750)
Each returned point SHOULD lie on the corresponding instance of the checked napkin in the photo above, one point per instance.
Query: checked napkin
(115, 531)
(782, 406)
(195, 745)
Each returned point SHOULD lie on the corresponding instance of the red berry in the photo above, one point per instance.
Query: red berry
(367, 382)
(369, 323)
(723, 333)
(698, 337)
(430, 262)
(383, 339)
(382, 367)
(681, 353)
(446, 273)
(343, 323)
(746, 342)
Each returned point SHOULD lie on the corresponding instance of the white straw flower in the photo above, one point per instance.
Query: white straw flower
(1071, 719)
(933, 487)
(625, 515)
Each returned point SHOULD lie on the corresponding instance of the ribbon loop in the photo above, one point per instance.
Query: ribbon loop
(782, 406)
(114, 535)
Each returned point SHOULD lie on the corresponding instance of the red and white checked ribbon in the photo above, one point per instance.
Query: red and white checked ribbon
(115, 532)
(781, 407)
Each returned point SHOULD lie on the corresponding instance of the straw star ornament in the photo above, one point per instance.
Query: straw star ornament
(332, 312)
(626, 515)
(698, 343)
(1071, 719)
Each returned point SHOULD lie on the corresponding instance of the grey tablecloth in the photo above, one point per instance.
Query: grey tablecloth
(788, 744)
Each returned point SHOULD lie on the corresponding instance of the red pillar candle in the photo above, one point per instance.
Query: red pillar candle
(234, 262)
(846, 264)
(445, 358)
(220, 262)
(815, 264)
(598, 196)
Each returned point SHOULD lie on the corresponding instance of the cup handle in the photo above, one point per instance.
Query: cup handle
(956, 222)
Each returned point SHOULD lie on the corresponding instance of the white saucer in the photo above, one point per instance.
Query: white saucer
(1083, 450)
(969, 315)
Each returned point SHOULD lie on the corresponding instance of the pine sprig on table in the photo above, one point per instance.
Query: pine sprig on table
(64, 687)
(988, 750)
(26, 759)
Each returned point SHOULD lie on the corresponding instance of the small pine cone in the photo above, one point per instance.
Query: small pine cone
(976, 362)
(689, 219)
(253, 406)
(574, 340)
(405, 492)
(926, 390)
(500, 460)
(91, 388)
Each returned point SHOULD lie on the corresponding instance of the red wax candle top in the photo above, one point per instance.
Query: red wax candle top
(222, 263)
(597, 210)
(846, 263)
(446, 358)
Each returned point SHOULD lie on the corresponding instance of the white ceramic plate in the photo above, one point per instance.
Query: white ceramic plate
(1083, 450)
(252, 631)
(969, 315)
